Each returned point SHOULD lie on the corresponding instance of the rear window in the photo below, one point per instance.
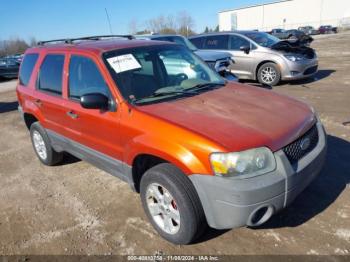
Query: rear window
(50, 74)
(27, 67)
(216, 42)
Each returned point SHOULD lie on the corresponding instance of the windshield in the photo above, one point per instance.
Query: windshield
(151, 74)
(262, 39)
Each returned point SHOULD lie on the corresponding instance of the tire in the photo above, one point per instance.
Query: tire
(42, 146)
(182, 199)
(266, 78)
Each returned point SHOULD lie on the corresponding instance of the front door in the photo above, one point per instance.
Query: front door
(242, 61)
(95, 129)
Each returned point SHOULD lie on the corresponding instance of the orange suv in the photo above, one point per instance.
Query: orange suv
(199, 150)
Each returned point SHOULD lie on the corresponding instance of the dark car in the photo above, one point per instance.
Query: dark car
(327, 29)
(309, 30)
(9, 67)
(279, 33)
(294, 33)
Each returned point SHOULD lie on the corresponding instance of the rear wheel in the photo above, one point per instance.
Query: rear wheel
(172, 204)
(42, 147)
(269, 74)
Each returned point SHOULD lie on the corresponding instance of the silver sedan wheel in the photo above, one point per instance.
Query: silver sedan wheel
(268, 74)
(39, 145)
(163, 208)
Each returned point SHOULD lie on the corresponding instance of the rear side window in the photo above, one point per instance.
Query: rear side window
(198, 42)
(50, 74)
(216, 42)
(27, 67)
(85, 78)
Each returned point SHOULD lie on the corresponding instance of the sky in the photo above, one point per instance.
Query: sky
(51, 19)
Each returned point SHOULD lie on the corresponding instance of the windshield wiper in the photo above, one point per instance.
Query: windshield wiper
(164, 93)
(205, 86)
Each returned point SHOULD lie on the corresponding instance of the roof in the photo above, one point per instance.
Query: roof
(256, 5)
(226, 32)
(98, 46)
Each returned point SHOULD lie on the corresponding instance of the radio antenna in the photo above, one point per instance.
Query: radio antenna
(109, 22)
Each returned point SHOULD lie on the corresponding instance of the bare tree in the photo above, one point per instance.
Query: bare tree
(32, 41)
(182, 23)
(13, 46)
(185, 23)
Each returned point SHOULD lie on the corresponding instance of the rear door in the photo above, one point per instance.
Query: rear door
(48, 95)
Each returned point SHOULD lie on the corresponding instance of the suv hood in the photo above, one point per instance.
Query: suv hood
(238, 117)
(213, 56)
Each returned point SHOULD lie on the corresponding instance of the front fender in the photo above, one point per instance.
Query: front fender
(170, 151)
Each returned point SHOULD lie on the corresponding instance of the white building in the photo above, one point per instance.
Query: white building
(286, 14)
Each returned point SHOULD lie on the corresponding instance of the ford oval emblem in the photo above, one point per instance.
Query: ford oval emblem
(305, 143)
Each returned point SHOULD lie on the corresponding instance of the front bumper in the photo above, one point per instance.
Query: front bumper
(234, 202)
(299, 70)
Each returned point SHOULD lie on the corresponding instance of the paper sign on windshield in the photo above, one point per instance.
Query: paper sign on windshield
(123, 63)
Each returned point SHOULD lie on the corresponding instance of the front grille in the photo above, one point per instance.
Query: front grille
(310, 70)
(302, 146)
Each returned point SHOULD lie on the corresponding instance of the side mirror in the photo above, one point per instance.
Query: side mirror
(94, 101)
(245, 48)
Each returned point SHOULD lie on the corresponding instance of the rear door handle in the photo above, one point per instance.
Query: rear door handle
(72, 114)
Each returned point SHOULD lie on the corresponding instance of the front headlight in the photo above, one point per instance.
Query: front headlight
(250, 162)
(294, 58)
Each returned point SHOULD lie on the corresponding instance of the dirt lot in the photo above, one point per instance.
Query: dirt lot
(75, 208)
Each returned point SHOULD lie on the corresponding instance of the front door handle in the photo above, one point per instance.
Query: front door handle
(38, 102)
(72, 114)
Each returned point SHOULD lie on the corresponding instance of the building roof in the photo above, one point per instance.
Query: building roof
(251, 6)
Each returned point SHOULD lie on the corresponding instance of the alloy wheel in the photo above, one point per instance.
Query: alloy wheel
(39, 145)
(268, 75)
(163, 208)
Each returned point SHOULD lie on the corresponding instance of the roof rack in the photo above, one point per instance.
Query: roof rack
(96, 37)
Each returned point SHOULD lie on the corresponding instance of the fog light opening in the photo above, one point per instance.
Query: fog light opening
(260, 216)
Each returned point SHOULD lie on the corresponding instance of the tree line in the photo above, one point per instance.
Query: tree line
(182, 23)
(15, 46)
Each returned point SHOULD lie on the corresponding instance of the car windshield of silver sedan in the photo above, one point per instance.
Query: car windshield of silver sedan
(262, 39)
(151, 74)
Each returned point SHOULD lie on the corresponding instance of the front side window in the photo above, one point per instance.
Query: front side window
(216, 42)
(152, 73)
(50, 74)
(237, 42)
(27, 68)
(85, 78)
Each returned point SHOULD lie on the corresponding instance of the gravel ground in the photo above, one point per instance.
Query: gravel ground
(75, 208)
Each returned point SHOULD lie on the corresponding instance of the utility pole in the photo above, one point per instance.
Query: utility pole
(109, 22)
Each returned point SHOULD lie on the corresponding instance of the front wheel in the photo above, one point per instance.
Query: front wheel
(269, 74)
(172, 204)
